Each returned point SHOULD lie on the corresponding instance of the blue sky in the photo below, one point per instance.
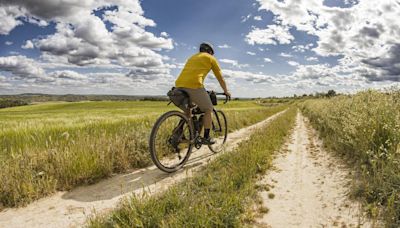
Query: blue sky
(221, 22)
(265, 47)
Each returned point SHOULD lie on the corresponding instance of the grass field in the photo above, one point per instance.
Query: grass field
(56, 146)
(365, 128)
(219, 196)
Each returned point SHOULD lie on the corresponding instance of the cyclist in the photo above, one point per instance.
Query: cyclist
(191, 80)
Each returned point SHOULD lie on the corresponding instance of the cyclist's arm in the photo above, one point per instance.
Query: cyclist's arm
(218, 74)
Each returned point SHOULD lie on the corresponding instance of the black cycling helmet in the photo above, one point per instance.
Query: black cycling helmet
(207, 47)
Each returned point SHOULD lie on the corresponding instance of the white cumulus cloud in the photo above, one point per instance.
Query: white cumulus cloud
(8, 18)
(312, 58)
(285, 55)
(21, 66)
(268, 60)
(273, 34)
(234, 63)
(293, 63)
(366, 32)
(82, 38)
(224, 46)
(28, 45)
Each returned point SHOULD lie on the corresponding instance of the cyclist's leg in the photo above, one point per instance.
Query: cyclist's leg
(201, 98)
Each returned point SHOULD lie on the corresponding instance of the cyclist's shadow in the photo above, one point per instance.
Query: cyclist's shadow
(135, 182)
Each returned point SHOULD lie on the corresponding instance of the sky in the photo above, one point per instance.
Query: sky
(264, 47)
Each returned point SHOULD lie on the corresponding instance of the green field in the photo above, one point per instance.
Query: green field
(56, 146)
(31, 123)
(70, 115)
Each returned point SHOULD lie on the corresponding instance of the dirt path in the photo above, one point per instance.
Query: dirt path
(70, 209)
(309, 187)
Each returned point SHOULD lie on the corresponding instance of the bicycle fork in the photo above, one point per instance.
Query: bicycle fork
(218, 121)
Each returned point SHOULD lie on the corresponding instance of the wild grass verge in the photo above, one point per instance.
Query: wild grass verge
(38, 161)
(365, 128)
(218, 196)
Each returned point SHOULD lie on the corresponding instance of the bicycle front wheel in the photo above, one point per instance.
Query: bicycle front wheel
(170, 141)
(219, 131)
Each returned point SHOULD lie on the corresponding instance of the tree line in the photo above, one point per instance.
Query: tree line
(6, 103)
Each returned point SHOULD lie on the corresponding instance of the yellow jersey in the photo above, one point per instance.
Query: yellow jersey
(196, 69)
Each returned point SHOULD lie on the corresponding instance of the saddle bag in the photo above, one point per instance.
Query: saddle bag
(179, 97)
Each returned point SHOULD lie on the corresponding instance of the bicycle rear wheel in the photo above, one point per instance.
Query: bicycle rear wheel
(219, 131)
(170, 141)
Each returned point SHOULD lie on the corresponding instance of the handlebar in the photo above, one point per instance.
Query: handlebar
(227, 98)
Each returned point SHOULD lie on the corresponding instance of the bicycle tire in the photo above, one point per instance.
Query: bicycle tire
(225, 133)
(153, 137)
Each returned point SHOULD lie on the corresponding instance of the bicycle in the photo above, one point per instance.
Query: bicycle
(175, 133)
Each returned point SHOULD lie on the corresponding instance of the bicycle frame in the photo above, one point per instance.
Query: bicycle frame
(197, 125)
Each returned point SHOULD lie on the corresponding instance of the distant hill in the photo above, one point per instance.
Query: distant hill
(39, 97)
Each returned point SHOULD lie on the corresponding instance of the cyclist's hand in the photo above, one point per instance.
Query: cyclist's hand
(228, 94)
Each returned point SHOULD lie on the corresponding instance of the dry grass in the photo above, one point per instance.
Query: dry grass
(365, 128)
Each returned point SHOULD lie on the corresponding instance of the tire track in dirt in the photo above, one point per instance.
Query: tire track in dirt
(71, 209)
(308, 187)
